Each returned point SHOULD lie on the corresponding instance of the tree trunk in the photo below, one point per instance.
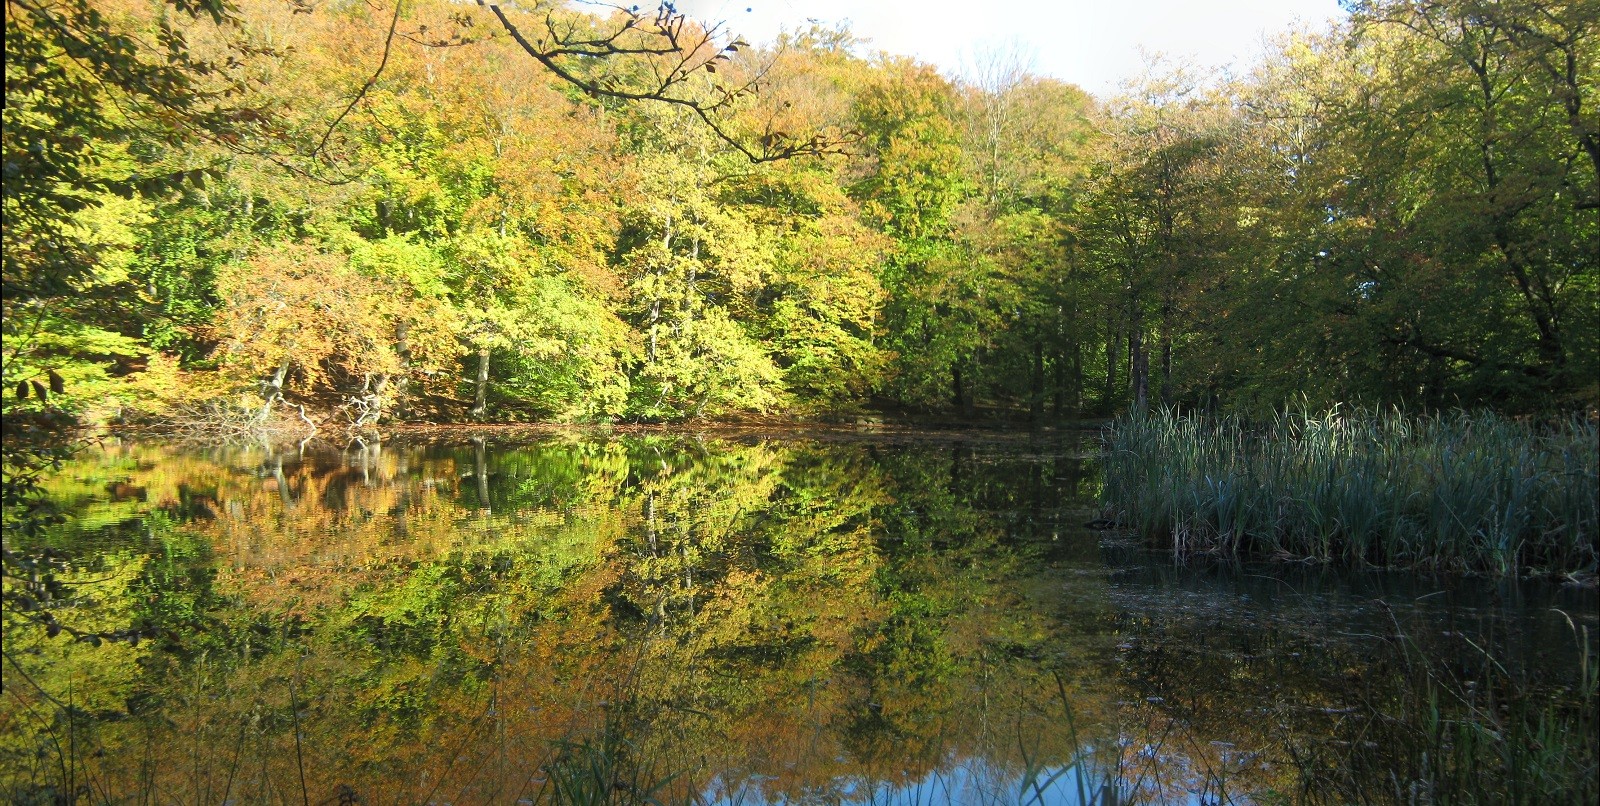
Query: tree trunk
(1058, 404)
(1166, 355)
(1109, 396)
(480, 403)
(650, 531)
(273, 391)
(1077, 377)
(480, 469)
(655, 304)
(370, 454)
(969, 389)
(655, 325)
(379, 395)
(1138, 362)
(957, 459)
(283, 483)
(1036, 396)
(1536, 292)
(1166, 371)
(692, 284)
(402, 384)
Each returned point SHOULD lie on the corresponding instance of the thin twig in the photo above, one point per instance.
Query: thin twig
(388, 44)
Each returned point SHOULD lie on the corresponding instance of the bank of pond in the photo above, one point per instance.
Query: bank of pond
(583, 617)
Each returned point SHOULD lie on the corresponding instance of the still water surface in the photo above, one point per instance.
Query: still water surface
(588, 618)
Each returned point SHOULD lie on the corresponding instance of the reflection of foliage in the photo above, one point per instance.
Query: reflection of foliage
(787, 621)
(38, 581)
(606, 770)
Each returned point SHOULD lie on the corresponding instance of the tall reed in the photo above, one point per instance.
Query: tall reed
(1468, 491)
(1468, 731)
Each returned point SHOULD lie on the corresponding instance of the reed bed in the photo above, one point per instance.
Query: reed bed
(1464, 491)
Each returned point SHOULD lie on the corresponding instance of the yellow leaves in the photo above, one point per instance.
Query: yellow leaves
(108, 228)
(163, 385)
(312, 310)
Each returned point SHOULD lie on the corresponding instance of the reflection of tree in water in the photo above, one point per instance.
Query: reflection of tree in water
(790, 621)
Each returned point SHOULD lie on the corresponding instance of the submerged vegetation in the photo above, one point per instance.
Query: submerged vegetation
(1483, 736)
(1460, 491)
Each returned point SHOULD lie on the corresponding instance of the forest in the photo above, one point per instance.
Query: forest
(1296, 368)
(351, 214)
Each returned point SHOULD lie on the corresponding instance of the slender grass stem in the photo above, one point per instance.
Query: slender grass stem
(1462, 491)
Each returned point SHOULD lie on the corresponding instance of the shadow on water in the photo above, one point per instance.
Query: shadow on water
(672, 619)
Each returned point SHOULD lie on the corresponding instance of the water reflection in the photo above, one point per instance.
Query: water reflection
(614, 620)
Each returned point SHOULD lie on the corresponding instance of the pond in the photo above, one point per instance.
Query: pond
(591, 617)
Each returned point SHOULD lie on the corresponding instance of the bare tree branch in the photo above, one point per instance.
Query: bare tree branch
(667, 35)
(388, 44)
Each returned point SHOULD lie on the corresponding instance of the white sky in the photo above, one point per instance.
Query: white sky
(1095, 44)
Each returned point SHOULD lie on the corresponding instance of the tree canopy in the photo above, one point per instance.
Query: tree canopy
(430, 211)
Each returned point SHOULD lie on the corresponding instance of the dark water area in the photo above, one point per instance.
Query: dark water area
(588, 618)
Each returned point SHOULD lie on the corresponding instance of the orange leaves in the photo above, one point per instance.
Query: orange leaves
(276, 310)
(298, 306)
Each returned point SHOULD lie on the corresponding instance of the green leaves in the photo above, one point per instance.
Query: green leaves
(1400, 208)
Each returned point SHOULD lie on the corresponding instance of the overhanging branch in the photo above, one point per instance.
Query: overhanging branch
(667, 35)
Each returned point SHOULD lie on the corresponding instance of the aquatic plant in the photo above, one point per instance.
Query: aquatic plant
(1469, 733)
(1465, 491)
